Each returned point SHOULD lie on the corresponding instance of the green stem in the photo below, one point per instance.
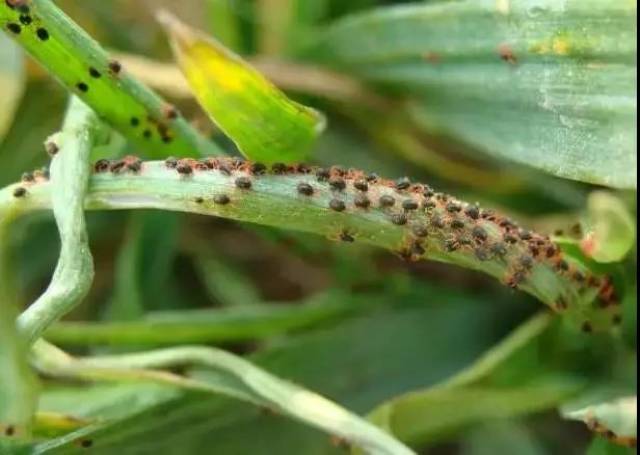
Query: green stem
(207, 326)
(236, 377)
(86, 69)
(455, 233)
(70, 173)
(495, 356)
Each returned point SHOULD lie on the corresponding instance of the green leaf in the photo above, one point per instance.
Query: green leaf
(349, 365)
(617, 419)
(264, 124)
(12, 81)
(239, 323)
(18, 389)
(611, 230)
(86, 69)
(544, 83)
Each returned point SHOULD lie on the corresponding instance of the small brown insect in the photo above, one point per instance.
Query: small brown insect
(20, 192)
(258, 168)
(337, 183)
(479, 233)
(419, 230)
(51, 148)
(115, 67)
(279, 168)
(27, 177)
(169, 112)
(457, 223)
(453, 207)
(322, 174)
(409, 204)
(305, 189)
(362, 201)
(587, 327)
(184, 169)
(506, 54)
(10, 430)
(472, 212)
(221, 199)
(361, 185)
(243, 183)
(171, 162)
(386, 201)
(399, 219)
(346, 237)
(337, 205)
(403, 183)
(101, 165)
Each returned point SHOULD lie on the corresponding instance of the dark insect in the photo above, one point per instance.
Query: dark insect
(403, 183)
(134, 121)
(243, 183)
(322, 174)
(199, 200)
(346, 237)
(115, 67)
(184, 169)
(305, 189)
(337, 183)
(409, 204)
(14, 28)
(27, 177)
(19, 192)
(51, 148)
(82, 87)
(94, 72)
(399, 219)
(42, 34)
(361, 185)
(258, 168)
(386, 201)
(362, 201)
(171, 162)
(479, 233)
(453, 207)
(101, 165)
(278, 168)
(498, 250)
(457, 223)
(337, 205)
(472, 212)
(25, 19)
(86, 443)
(419, 230)
(221, 199)
(437, 222)
(587, 327)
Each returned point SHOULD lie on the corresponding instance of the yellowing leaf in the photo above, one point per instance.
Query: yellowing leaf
(264, 124)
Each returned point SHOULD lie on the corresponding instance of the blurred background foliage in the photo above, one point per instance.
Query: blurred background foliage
(386, 327)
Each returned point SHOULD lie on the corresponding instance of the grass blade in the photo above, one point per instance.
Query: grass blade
(82, 66)
(258, 117)
(544, 83)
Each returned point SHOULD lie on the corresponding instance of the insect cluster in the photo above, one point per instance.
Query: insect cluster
(430, 221)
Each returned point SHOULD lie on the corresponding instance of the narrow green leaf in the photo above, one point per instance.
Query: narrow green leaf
(240, 323)
(257, 116)
(547, 83)
(12, 81)
(86, 69)
(418, 418)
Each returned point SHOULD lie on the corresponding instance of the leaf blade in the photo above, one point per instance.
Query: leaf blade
(264, 124)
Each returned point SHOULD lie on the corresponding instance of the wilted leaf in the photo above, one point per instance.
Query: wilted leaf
(616, 419)
(610, 228)
(546, 83)
(258, 117)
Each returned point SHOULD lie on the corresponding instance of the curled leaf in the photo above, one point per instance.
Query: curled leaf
(615, 419)
(611, 229)
(264, 124)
